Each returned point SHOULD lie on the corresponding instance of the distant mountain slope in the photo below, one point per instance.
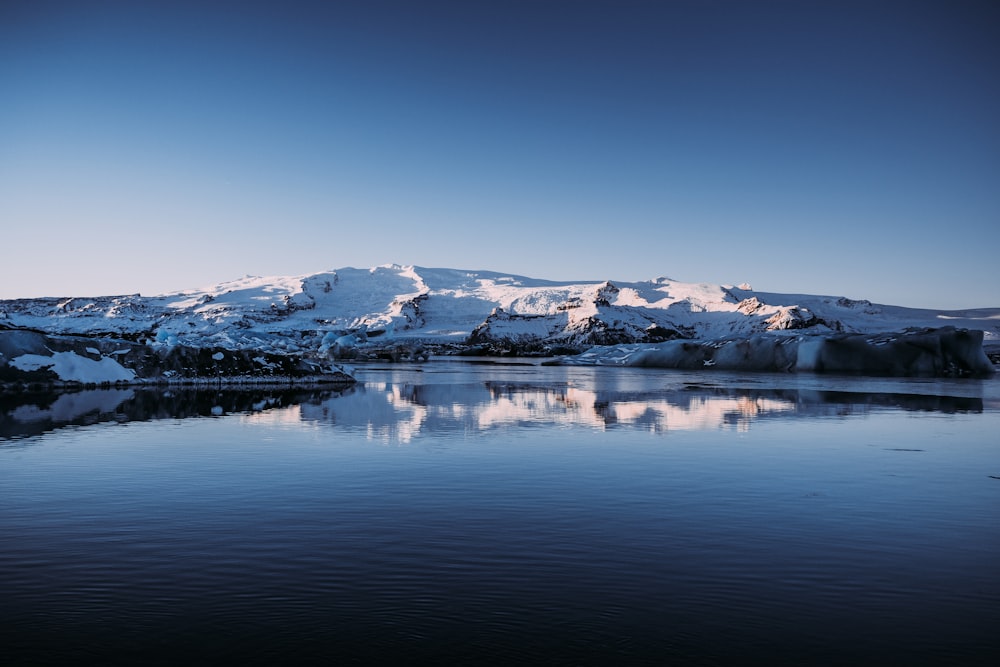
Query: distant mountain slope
(409, 306)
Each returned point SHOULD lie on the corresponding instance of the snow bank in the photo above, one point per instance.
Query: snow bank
(71, 367)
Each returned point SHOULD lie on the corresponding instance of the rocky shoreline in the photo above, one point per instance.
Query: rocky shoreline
(32, 359)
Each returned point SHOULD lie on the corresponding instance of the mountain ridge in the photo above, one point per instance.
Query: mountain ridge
(465, 308)
(301, 328)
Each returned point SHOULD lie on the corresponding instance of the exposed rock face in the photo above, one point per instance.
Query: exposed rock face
(613, 331)
(606, 294)
(749, 306)
(505, 334)
(792, 318)
(409, 310)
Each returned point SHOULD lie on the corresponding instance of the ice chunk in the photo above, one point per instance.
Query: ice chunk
(166, 338)
(927, 352)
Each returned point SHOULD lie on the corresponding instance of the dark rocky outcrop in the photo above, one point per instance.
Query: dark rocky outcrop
(506, 334)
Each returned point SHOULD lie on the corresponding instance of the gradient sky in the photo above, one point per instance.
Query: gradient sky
(827, 147)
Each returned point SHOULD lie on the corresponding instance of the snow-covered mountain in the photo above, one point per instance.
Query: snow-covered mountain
(405, 308)
(297, 328)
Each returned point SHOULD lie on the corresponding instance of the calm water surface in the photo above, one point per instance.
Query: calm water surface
(460, 512)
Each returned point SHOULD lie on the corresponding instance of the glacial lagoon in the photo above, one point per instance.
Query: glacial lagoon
(470, 511)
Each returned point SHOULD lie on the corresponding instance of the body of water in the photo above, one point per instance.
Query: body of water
(460, 512)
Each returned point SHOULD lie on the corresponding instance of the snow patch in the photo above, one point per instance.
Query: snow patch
(71, 367)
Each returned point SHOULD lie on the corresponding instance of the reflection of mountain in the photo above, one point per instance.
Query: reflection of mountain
(396, 412)
(399, 411)
(34, 413)
(657, 412)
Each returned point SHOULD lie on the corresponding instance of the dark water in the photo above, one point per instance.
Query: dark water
(463, 513)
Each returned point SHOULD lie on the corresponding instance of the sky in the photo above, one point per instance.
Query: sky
(819, 147)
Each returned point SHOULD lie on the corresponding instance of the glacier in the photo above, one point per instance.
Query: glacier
(309, 324)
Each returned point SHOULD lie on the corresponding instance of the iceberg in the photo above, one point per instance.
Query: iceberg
(941, 352)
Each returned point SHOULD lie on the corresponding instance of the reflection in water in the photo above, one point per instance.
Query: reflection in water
(530, 522)
(398, 411)
(34, 413)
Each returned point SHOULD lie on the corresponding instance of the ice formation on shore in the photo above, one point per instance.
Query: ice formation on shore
(925, 352)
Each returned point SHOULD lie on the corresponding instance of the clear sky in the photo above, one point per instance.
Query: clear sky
(825, 147)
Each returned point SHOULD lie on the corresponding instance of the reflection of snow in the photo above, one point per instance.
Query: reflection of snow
(585, 408)
(275, 417)
(411, 418)
(701, 414)
(399, 413)
(568, 406)
(72, 406)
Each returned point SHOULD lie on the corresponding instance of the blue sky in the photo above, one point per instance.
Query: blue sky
(829, 147)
